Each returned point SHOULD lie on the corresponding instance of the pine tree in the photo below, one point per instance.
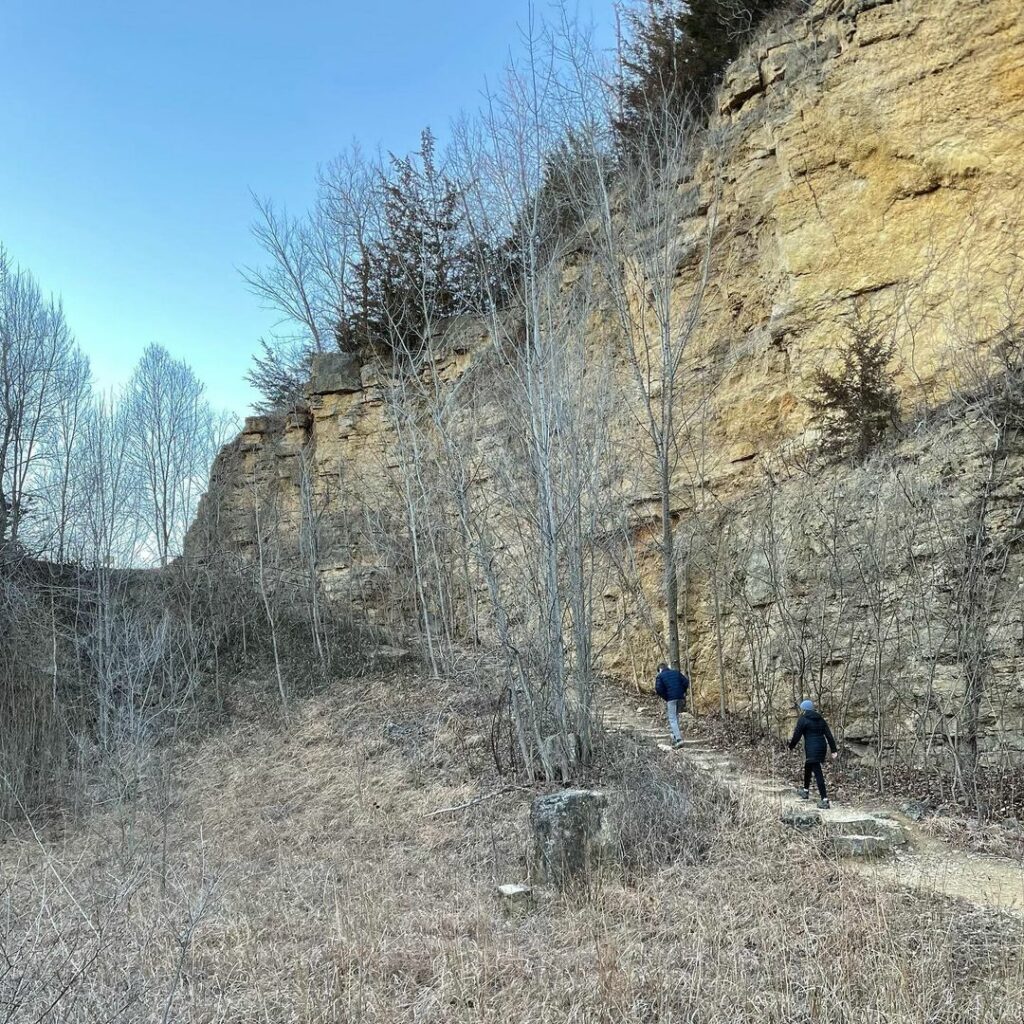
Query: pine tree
(675, 55)
(415, 273)
(855, 406)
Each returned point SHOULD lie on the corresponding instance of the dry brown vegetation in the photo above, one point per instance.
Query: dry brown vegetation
(303, 874)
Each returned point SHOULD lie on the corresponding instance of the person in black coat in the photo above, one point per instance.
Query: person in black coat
(671, 686)
(818, 740)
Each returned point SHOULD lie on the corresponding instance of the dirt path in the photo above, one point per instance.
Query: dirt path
(911, 856)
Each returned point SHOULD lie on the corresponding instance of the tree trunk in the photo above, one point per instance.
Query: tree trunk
(671, 581)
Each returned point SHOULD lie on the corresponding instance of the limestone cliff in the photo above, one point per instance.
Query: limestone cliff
(867, 160)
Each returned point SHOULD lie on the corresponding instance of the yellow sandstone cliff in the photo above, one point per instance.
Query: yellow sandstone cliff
(868, 161)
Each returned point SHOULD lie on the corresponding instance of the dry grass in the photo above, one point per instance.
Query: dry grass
(298, 876)
(665, 816)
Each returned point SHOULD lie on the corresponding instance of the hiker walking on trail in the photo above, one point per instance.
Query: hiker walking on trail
(671, 686)
(814, 731)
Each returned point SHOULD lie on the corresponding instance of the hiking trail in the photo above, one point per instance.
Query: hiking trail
(877, 841)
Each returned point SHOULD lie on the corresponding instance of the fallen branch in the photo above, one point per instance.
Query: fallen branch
(476, 800)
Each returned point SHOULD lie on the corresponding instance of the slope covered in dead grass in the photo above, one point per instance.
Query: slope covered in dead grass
(302, 874)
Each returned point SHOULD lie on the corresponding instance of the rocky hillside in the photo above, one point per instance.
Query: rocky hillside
(865, 166)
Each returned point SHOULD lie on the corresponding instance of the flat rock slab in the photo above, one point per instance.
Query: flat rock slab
(860, 846)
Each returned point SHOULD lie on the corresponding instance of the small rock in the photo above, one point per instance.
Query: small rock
(515, 898)
(514, 892)
(402, 732)
(475, 740)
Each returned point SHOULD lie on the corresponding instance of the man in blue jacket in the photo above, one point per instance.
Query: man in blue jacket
(671, 686)
(814, 731)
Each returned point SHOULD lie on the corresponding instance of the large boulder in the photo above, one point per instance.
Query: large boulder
(572, 836)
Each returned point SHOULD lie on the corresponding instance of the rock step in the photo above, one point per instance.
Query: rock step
(640, 730)
(855, 823)
(712, 763)
(851, 833)
(772, 789)
(802, 818)
(853, 845)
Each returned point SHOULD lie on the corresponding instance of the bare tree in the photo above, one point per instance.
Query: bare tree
(294, 282)
(61, 485)
(650, 222)
(311, 278)
(989, 399)
(38, 364)
(538, 538)
(172, 441)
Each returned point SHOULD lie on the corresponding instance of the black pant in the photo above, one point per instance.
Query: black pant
(814, 768)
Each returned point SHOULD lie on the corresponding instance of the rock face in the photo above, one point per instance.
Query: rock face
(572, 836)
(865, 166)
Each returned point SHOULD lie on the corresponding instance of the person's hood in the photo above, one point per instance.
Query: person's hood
(810, 714)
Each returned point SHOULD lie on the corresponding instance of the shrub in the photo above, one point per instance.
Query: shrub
(665, 817)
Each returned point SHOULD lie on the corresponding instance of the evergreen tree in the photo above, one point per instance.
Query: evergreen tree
(855, 406)
(415, 273)
(280, 373)
(675, 54)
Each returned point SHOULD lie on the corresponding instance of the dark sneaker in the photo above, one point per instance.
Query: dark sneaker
(803, 794)
(824, 804)
(676, 744)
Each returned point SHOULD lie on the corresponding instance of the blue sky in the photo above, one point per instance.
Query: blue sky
(132, 133)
